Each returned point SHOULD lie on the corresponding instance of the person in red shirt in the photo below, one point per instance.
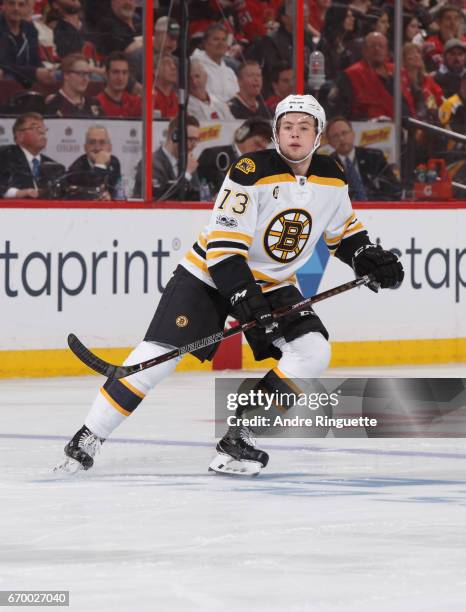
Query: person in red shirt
(317, 10)
(253, 16)
(165, 96)
(364, 90)
(114, 99)
(450, 21)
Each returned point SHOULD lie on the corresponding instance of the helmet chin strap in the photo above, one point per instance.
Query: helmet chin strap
(296, 161)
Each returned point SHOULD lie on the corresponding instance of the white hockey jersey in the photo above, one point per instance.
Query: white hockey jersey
(274, 219)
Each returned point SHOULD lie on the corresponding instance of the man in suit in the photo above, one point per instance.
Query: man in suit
(97, 173)
(165, 172)
(24, 171)
(252, 135)
(369, 175)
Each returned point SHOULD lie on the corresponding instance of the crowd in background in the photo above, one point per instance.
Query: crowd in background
(84, 58)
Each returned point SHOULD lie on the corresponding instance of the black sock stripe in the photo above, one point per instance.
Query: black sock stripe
(123, 396)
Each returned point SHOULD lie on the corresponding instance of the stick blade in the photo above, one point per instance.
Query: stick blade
(92, 361)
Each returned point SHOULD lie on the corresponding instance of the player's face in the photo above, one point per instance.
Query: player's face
(32, 136)
(118, 75)
(341, 137)
(296, 135)
(97, 140)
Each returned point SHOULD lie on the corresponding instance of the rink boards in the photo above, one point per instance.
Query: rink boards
(100, 274)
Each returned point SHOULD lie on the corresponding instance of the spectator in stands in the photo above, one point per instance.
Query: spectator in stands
(221, 80)
(69, 36)
(365, 89)
(252, 135)
(448, 76)
(359, 8)
(248, 102)
(165, 172)
(452, 113)
(202, 104)
(271, 50)
(423, 95)
(19, 47)
(377, 20)
(97, 173)
(317, 12)
(165, 94)
(114, 99)
(338, 42)
(70, 100)
(369, 175)
(253, 16)
(412, 29)
(24, 171)
(121, 30)
(282, 85)
(450, 25)
(47, 51)
(166, 34)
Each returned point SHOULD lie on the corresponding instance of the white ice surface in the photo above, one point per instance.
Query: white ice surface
(331, 525)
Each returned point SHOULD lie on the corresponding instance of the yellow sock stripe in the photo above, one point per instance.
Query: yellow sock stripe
(289, 382)
(111, 401)
(132, 389)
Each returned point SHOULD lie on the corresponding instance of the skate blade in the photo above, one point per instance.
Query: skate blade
(226, 465)
(69, 466)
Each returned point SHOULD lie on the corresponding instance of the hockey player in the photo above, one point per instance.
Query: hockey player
(270, 212)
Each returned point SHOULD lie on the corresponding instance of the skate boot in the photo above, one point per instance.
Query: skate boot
(238, 455)
(80, 451)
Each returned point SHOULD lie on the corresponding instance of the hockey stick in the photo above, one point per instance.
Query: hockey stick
(114, 371)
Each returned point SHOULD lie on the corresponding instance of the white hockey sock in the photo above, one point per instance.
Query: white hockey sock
(117, 399)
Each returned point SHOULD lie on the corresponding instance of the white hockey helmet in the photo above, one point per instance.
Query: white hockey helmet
(300, 104)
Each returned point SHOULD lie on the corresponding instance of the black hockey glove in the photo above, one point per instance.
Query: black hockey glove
(383, 265)
(248, 304)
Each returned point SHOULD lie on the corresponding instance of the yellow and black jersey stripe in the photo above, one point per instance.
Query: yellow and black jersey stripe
(221, 243)
(351, 226)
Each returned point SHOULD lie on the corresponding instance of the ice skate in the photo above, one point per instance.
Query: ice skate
(238, 455)
(80, 452)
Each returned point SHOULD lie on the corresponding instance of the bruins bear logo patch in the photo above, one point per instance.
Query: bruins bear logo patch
(246, 165)
(287, 234)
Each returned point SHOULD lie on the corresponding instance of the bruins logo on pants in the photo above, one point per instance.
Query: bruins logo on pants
(287, 234)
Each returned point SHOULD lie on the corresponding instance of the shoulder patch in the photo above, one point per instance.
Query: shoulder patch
(246, 165)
